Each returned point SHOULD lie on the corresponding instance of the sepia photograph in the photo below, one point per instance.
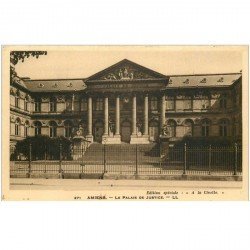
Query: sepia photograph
(125, 122)
(124, 125)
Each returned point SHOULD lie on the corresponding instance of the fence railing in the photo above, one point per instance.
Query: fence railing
(134, 159)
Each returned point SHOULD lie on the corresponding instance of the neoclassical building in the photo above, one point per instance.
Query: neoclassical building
(129, 103)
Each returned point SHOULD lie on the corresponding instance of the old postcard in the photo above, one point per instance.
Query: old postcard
(125, 123)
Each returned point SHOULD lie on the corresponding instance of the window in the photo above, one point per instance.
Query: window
(223, 102)
(26, 129)
(223, 125)
(38, 127)
(171, 125)
(187, 103)
(26, 104)
(17, 101)
(84, 104)
(68, 129)
(205, 103)
(188, 128)
(52, 104)
(17, 127)
(38, 105)
(153, 103)
(52, 129)
(99, 104)
(153, 130)
(170, 103)
(68, 104)
(205, 127)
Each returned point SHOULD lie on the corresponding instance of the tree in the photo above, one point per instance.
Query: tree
(43, 145)
(16, 56)
(54, 148)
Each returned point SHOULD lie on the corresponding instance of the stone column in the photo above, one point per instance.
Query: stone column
(145, 132)
(106, 116)
(134, 116)
(117, 116)
(89, 135)
(163, 110)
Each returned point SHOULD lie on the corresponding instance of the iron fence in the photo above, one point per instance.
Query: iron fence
(133, 159)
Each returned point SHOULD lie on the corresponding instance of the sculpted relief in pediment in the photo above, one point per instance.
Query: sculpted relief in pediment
(125, 73)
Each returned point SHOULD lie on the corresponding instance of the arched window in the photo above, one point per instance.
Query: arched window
(223, 102)
(38, 127)
(171, 125)
(188, 128)
(52, 129)
(26, 129)
(37, 104)
(205, 125)
(99, 104)
(26, 101)
(223, 126)
(153, 103)
(52, 104)
(68, 128)
(17, 127)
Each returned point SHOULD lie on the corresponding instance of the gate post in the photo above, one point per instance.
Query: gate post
(185, 159)
(60, 161)
(82, 159)
(209, 159)
(104, 158)
(30, 155)
(45, 159)
(235, 158)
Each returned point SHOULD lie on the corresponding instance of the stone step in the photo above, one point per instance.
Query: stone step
(122, 152)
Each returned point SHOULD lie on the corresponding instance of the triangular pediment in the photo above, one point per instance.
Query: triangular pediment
(125, 70)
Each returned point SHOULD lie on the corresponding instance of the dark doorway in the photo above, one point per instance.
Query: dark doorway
(98, 131)
(126, 131)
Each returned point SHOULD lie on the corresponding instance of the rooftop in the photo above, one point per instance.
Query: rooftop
(203, 80)
(176, 81)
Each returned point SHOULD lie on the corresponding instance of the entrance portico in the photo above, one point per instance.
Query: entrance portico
(127, 86)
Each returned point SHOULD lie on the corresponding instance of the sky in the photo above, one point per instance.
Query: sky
(82, 62)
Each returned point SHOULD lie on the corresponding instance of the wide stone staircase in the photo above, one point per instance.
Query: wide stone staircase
(121, 154)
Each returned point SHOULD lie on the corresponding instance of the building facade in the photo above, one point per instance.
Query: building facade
(128, 103)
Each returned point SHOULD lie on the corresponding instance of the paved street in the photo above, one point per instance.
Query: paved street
(77, 184)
